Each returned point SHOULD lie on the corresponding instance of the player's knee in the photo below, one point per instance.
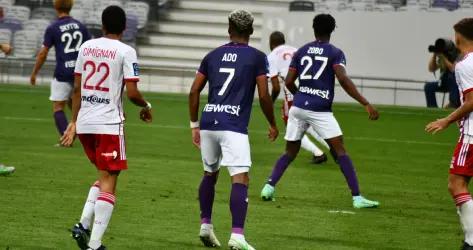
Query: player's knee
(58, 106)
(455, 186)
(211, 174)
(241, 178)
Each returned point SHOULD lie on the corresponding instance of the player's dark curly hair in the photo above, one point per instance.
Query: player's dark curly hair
(241, 22)
(323, 24)
(465, 28)
(114, 20)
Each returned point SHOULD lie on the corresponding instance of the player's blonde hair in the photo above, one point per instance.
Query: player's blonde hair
(63, 5)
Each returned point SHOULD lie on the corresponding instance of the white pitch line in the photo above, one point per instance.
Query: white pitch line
(356, 138)
(341, 212)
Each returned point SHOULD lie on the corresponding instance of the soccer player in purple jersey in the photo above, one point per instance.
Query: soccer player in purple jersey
(67, 35)
(316, 65)
(233, 71)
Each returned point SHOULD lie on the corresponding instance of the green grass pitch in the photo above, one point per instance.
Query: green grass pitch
(157, 208)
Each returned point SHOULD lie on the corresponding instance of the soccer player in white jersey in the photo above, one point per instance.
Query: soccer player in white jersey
(279, 60)
(104, 67)
(461, 168)
(233, 71)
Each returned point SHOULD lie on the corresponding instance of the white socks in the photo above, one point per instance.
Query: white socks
(88, 211)
(103, 211)
(465, 210)
(310, 146)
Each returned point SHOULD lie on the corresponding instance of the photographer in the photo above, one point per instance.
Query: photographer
(444, 57)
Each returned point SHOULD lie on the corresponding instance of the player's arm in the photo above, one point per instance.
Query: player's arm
(135, 96)
(194, 102)
(40, 59)
(462, 111)
(266, 104)
(291, 80)
(349, 87)
(276, 88)
(70, 134)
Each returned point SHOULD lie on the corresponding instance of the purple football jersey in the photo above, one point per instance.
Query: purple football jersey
(314, 64)
(67, 35)
(231, 71)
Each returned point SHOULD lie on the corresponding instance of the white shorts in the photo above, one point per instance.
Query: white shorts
(324, 123)
(225, 148)
(60, 91)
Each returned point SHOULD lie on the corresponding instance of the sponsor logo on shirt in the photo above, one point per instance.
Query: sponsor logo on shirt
(93, 99)
(219, 108)
(322, 93)
(136, 69)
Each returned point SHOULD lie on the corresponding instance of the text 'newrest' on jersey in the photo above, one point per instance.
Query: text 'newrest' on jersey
(231, 71)
(104, 64)
(66, 35)
(314, 64)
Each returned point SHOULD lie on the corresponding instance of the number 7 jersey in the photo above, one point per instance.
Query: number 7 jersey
(314, 65)
(231, 71)
(104, 65)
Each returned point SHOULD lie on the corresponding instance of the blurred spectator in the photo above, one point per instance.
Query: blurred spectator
(443, 59)
(6, 48)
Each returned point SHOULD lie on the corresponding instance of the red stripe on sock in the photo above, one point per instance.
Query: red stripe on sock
(462, 198)
(108, 197)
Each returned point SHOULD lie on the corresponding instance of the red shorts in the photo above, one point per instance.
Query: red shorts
(106, 152)
(462, 161)
(285, 110)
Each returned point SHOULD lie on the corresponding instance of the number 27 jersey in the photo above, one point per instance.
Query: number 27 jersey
(104, 64)
(231, 71)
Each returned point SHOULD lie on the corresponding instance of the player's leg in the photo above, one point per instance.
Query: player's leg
(318, 155)
(317, 137)
(236, 155)
(211, 153)
(458, 188)
(295, 130)
(60, 95)
(103, 207)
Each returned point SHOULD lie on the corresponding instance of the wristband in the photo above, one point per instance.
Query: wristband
(148, 106)
(194, 124)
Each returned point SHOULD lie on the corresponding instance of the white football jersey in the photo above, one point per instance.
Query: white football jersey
(279, 60)
(464, 77)
(104, 65)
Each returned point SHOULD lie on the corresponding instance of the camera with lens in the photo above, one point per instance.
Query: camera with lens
(446, 47)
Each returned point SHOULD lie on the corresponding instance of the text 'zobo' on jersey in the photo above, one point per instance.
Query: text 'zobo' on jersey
(231, 71)
(104, 64)
(66, 35)
(314, 64)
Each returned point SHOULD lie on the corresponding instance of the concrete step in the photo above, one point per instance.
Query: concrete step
(173, 52)
(163, 62)
(190, 28)
(203, 42)
(203, 16)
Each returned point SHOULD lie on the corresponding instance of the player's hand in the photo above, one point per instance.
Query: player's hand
(196, 137)
(372, 111)
(69, 135)
(437, 126)
(33, 79)
(146, 115)
(6, 48)
(273, 133)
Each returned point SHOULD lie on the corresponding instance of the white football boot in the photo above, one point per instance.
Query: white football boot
(207, 236)
(238, 242)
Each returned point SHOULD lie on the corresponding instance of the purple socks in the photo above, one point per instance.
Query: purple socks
(238, 207)
(278, 170)
(348, 171)
(206, 198)
(61, 121)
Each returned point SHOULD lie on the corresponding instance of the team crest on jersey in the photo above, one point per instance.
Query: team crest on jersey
(136, 69)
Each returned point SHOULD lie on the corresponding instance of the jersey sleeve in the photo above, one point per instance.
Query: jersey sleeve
(204, 66)
(79, 63)
(294, 62)
(273, 66)
(48, 40)
(339, 59)
(262, 65)
(465, 77)
(131, 70)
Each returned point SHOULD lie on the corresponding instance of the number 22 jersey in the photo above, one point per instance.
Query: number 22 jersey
(104, 64)
(314, 65)
(231, 71)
